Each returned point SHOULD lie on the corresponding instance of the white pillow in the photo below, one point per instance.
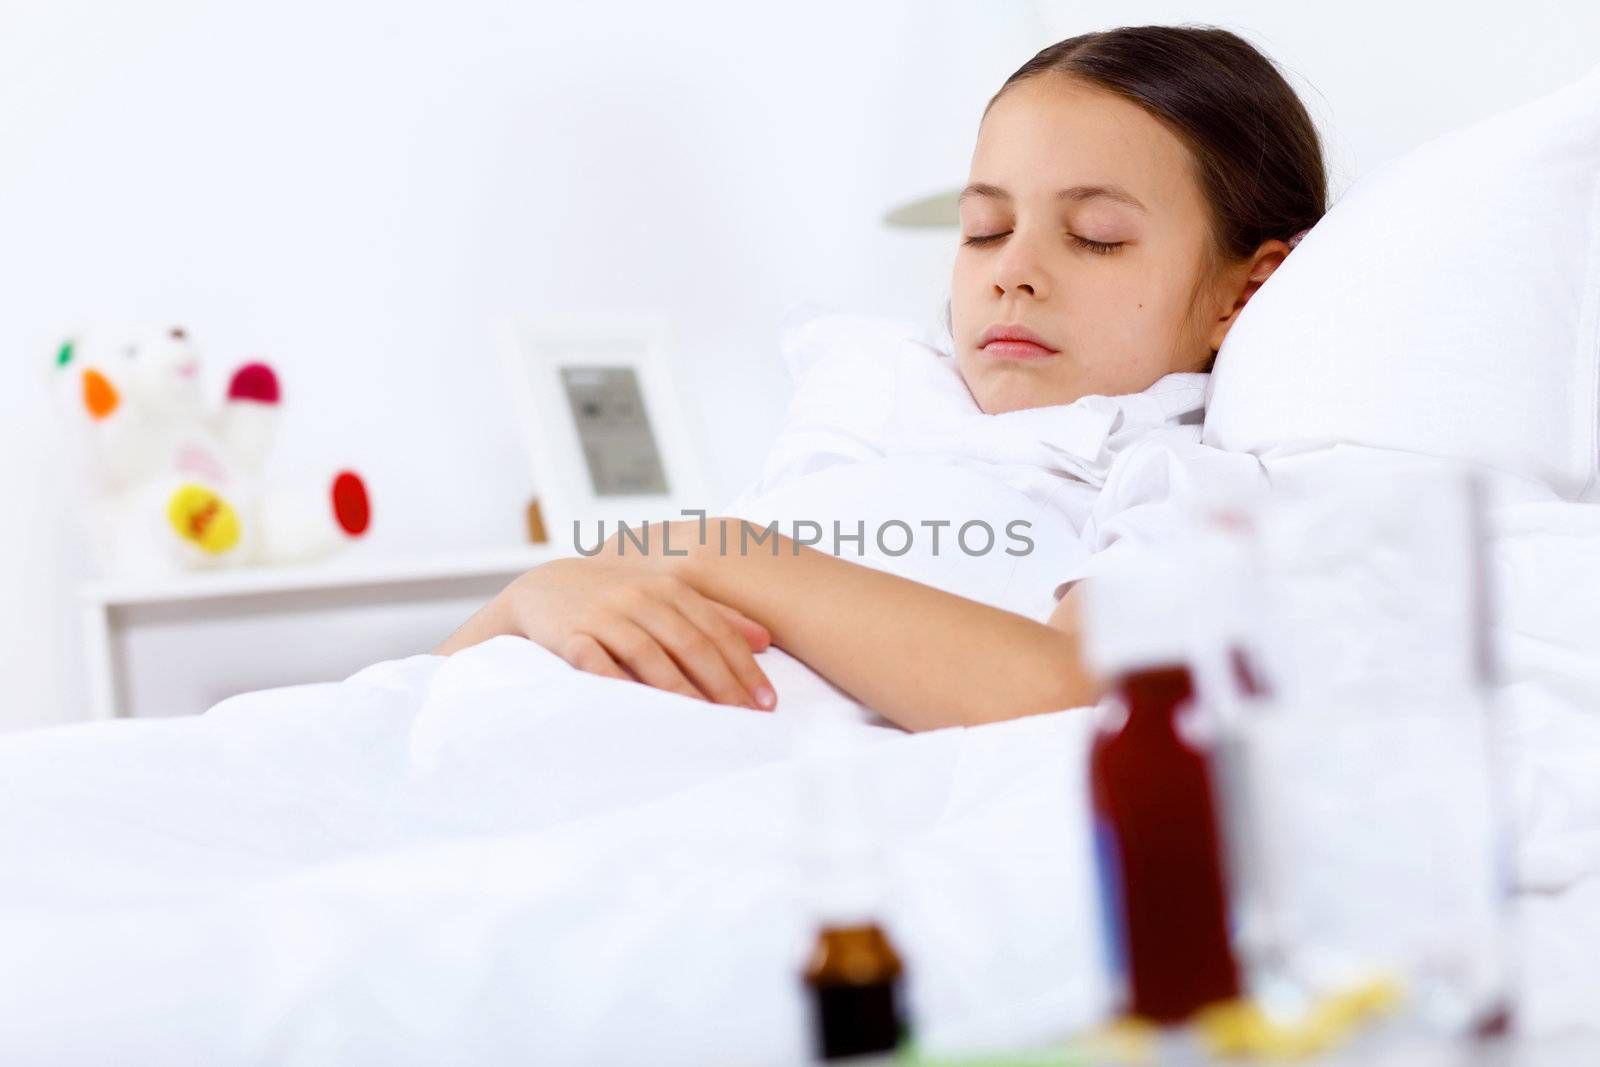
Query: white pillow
(1448, 305)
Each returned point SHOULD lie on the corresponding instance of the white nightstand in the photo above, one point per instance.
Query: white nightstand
(175, 646)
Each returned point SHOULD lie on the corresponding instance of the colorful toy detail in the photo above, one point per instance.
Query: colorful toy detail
(350, 504)
(168, 463)
(201, 463)
(254, 381)
(99, 395)
(203, 519)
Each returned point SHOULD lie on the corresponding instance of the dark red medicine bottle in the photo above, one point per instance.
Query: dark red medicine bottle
(1158, 846)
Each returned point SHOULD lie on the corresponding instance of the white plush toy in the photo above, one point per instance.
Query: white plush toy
(179, 487)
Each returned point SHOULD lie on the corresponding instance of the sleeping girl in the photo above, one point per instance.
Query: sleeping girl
(1129, 191)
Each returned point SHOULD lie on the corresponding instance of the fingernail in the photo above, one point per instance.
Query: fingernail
(765, 697)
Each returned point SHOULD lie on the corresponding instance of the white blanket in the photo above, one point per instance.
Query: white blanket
(496, 859)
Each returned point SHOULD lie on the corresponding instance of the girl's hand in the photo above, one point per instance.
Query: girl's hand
(621, 619)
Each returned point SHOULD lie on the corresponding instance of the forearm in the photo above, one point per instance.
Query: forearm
(920, 656)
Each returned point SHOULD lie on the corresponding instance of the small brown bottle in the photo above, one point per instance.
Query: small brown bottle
(854, 980)
(854, 976)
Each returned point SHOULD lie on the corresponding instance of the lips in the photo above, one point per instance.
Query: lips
(1009, 341)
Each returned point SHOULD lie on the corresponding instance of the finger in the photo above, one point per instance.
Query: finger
(633, 647)
(755, 635)
(586, 654)
(694, 651)
(732, 645)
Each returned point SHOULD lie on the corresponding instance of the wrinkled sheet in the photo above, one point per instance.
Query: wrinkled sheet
(495, 859)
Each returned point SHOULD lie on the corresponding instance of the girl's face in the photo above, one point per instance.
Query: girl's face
(1085, 264)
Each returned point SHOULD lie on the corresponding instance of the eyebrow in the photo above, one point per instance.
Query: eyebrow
(1076, 193)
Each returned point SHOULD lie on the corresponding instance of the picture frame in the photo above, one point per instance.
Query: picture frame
(606, 433)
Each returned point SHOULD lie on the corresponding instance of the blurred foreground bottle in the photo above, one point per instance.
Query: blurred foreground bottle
(1332, 843)
(1157, 834)
(854, 979)
(853, 976)
(1381, 833)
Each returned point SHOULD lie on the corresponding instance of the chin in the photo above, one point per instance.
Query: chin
(999, 397)
(1001, 386)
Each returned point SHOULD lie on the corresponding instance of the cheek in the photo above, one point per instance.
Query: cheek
(964, 274)
(966, 293)
(1143, 312)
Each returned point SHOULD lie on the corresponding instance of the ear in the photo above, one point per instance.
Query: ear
(1241, 282)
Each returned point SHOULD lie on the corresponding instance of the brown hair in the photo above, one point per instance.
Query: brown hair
(1257, 150)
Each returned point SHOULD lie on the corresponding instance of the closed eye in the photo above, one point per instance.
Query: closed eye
(1099, 248)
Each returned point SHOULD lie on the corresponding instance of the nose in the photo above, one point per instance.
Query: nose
(1019, 270)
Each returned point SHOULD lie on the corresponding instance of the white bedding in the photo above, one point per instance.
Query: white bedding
(496, 859)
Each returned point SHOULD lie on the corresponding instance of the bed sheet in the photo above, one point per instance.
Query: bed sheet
(494, 858)
(497, 859)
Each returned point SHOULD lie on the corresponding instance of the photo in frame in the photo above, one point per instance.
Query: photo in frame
(603, 424)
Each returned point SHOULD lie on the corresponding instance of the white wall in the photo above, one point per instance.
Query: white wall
(351, 188)
(1381, 76)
